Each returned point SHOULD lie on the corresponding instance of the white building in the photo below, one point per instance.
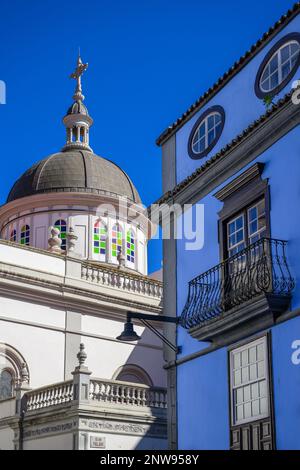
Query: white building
(73, 261)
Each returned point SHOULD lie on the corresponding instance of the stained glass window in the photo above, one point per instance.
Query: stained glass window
(25, 235)
(62, 227)
(116, 240)
(13, 236)
(99, 239)
(130, 246)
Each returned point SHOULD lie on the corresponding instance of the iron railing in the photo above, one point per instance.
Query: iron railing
(260, 268)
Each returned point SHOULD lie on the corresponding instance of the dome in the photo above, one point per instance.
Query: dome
(78, 108)
(74, 171)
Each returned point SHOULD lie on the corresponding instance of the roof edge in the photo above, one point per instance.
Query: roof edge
(230, 73)
(233, 143)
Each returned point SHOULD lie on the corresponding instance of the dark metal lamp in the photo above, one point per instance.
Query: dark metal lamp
(129, 334)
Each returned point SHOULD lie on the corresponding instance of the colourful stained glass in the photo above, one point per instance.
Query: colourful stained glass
(25, 235)
(116, 240)
(13, 235)
(130, 246)
(62, 227)
(99, 239)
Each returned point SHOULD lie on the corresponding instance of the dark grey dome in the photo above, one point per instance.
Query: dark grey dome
(78, 108)
(74, 171)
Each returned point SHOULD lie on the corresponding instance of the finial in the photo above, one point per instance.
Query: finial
(78, 72)
(121, 259)
(81, 356)
(54, 241)
(71, 240)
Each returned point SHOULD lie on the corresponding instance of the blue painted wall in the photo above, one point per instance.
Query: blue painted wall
(204, 417)
(202, 385)
(286, 379)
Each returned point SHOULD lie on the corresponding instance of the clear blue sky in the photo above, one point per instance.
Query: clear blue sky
(148, 61)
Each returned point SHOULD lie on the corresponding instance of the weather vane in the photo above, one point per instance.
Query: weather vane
(76, 75)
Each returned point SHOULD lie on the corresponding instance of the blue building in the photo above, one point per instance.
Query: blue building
(236, 152)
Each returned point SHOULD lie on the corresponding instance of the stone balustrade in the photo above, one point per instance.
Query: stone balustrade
(122, 280)
(125, 393)
(101, 391)
(49, 396)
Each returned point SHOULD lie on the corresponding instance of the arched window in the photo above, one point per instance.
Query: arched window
(116, 240)
(13, 369)
(25, 235)
(13, 236)
(130, 246)
(62, 227)
(99, 238)
(6, 384)
(132, 373)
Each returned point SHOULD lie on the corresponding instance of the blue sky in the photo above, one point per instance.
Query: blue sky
(148, 61)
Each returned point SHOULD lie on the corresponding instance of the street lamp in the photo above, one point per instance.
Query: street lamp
(129, 335)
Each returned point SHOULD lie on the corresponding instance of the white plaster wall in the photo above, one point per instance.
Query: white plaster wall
(60, 442)
(106, 356)
(6, 439)
(42, 349)
(30, 259)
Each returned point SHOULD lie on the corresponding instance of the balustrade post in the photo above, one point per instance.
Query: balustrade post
(81, 378)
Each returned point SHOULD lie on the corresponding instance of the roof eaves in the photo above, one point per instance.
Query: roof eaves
(230, 146)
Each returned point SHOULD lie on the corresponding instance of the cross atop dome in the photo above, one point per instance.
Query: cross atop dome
(77, 119)
(78, 72)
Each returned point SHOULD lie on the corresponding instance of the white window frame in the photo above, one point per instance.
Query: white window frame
(234, 421)
(279, 67)
(244, 241)
(196, 136)
(260, 230)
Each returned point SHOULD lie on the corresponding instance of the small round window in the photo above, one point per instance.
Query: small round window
(279, 66)
(206, 132)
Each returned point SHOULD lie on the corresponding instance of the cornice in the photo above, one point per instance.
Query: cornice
(261, 134)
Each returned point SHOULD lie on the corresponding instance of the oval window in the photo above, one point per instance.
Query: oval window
(279, 66)
(206, 132)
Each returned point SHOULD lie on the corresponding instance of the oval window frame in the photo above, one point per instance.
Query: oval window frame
(284, 40)
(211, 110)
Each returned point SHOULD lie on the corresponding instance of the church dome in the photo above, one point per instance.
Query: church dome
(74, 171)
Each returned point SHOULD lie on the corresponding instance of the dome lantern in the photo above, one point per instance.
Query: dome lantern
(77, 120)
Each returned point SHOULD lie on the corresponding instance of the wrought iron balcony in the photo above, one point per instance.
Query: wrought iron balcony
(261, 268)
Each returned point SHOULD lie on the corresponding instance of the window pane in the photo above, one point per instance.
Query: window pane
(255, 408)
(255, 390)
(253, 372)
(285, 54)
(263, 405)
(239, 396)
(237, 377)
(247, 393)
(245, 374)
(261, 369)
(210, 122)
(273, 65)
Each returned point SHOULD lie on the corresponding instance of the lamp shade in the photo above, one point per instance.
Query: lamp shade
(128, 333)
